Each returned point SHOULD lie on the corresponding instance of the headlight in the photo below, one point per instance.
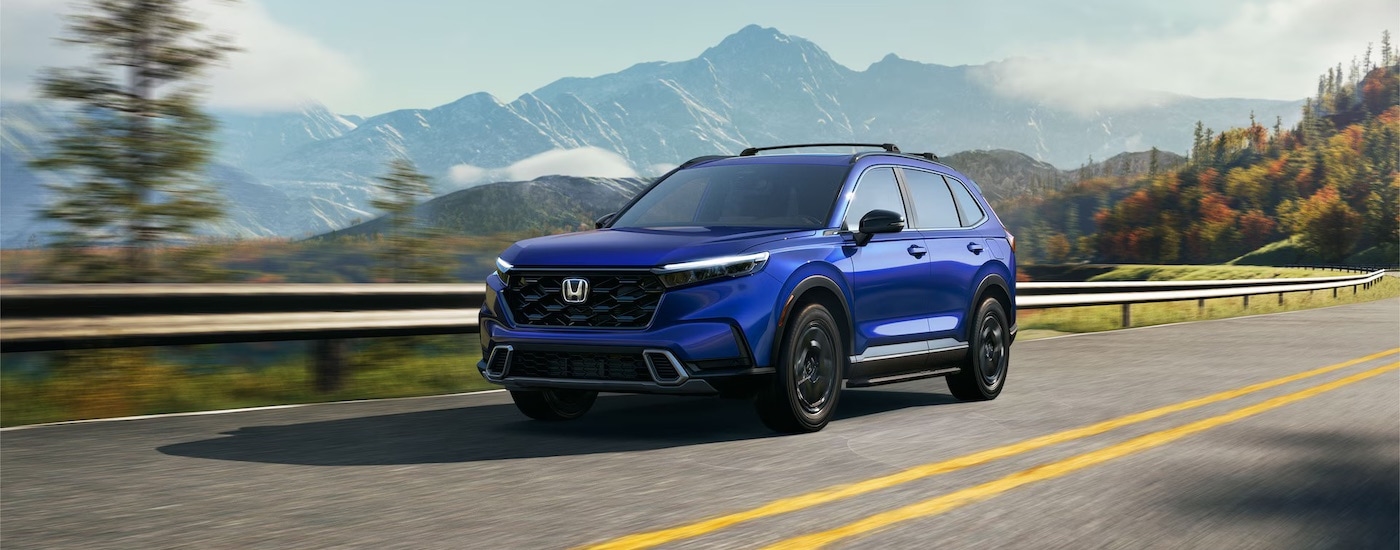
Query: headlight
(674, 275)
(502, 267)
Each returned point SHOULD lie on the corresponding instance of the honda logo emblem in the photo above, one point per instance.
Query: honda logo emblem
(575, 290)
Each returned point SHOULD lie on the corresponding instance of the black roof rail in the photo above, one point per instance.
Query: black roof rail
(925, 156)
(751, 151)
(706, 158)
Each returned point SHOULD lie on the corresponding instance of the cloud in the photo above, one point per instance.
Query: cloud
(278, 68)
(466, 174)
(588, 162)
(583, 162)
(1257, 51)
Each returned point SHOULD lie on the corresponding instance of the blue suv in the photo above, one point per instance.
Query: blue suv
(781, 277)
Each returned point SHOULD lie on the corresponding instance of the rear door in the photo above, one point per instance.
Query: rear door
(956, 254)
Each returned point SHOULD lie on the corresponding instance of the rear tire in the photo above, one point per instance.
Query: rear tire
(554, 405)
(983, 373)
(811, 364)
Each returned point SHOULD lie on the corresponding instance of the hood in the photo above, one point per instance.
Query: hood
(639, 247)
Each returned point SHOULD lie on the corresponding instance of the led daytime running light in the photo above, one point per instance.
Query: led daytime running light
(673, 275)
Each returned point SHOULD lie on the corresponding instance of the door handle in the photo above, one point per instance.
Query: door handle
(974, 248)
(917, 251)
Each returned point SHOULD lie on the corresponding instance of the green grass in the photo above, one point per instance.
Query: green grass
(1205, 273)
(1053, 322)
(111, 383)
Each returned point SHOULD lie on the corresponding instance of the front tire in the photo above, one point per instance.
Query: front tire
(554, 405)
(807, 384)
(983, 373)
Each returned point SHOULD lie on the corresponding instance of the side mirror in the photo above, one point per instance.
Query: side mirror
(878, 221)
(600, 222)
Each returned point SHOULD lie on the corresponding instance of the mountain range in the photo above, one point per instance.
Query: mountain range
(309, 171)
(552, 203)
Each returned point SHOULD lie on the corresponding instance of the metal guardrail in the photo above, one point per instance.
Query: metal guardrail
(56, 317)
(1031, 295)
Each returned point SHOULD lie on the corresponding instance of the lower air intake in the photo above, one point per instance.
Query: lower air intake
(664, 366)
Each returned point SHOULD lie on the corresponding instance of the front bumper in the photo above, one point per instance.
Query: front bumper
(702, 332)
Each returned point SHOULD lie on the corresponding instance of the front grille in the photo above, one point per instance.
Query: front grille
(580, 366)
(615, 300)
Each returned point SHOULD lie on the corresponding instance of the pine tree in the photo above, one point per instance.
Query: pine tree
(406, 253)
(1152, 162)
(1387, 54)
(139, 142)
(1198, 142)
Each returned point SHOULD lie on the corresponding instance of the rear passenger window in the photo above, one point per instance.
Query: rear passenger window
(932, 203)
(972, 213)
(876, 190)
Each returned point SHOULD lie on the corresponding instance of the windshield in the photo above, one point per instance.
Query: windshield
(751, 195)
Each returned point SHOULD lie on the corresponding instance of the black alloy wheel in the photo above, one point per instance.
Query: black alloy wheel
(983, 373)
(811, 364)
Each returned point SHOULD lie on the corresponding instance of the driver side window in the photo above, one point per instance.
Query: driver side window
(876, 190)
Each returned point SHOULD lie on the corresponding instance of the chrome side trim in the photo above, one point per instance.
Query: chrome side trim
(670, 358)
(893, 351)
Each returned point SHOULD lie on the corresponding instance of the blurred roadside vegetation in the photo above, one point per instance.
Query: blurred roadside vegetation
(56, 386)
(338, 260)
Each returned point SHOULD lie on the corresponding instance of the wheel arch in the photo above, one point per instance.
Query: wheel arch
(816, 289)
(993, 285)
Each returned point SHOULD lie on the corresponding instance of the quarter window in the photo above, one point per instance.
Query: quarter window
(876, 190)
(932, 201)
(972, 213)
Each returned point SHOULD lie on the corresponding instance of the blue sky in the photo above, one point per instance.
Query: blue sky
(367, 57)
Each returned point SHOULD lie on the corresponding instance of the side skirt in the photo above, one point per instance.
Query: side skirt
(867, 382)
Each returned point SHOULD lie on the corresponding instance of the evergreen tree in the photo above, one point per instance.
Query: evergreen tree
(406, 253)
(1387, 54)
(139, 142)
(1198, 141)
(1152, 162)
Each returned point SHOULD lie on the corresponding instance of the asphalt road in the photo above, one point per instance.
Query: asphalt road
(1299, 464)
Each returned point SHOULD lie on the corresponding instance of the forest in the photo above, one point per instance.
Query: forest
(1324, 191)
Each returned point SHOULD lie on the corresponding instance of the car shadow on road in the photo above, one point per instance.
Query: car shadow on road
(620, 423)
(1337, 490)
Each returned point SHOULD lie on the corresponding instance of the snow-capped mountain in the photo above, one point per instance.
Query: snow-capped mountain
(311, 171)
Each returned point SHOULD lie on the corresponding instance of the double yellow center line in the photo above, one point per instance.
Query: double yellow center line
(980, 492)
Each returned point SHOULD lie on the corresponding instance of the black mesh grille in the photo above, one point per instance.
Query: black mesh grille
(581, 366)
(615, 300)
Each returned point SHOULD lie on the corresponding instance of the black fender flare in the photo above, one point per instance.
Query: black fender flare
(809, 283)
(991, 280)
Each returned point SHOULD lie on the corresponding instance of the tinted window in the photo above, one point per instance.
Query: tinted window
(749, 195)
(971, 211)
(876, 190)
(932, 201)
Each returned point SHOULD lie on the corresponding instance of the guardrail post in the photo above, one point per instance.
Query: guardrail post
(1246, 301)
(1334, 292)
(1280, 298)
(1200, 307)
(1127, 316)
(328, 364)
